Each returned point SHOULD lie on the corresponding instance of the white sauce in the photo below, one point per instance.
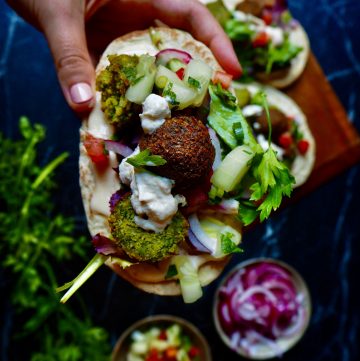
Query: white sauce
(151, 197)
(265, 145)
(252, 110)
(97, 125)
(155, 110)
(276, 34)
(107, 183)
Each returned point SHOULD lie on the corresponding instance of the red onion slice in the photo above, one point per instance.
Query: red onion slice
(165, 55)
(202, 237)
(216, 144)
(118, 148)
(259, 305)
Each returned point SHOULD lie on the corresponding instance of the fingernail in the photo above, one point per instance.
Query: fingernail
(81, 93)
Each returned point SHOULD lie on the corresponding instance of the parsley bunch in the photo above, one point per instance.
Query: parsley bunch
(35, 241)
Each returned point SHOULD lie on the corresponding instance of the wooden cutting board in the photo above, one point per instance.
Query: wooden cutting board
(337, 141)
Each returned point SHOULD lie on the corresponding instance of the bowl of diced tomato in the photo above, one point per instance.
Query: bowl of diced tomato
(162, 338)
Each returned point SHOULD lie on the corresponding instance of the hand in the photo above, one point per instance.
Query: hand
(78, 32)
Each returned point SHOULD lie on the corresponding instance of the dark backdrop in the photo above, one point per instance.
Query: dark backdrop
(318, 235)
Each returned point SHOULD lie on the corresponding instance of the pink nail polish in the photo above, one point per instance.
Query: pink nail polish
(81, 93)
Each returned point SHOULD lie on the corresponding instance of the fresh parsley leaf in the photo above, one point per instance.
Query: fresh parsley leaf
(227, 244)
(171, 272)
(37, 241)
(169, 95)
(145, 158)
(194, 83)
(247, 212)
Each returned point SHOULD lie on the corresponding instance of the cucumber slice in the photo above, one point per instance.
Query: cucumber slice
(138, 92)
(175, 64)
(179, 95)
(202, 74)
(189, 279)
(163, 72)
(233, 168)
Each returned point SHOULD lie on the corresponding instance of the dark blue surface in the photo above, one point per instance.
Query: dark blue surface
(319, 235)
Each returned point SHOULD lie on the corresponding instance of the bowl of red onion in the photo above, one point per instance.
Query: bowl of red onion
(262, 308)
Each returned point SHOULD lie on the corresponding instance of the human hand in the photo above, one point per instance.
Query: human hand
(78, 32)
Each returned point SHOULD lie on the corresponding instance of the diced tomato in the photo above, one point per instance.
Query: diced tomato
(153, 356)
(260, 40)
(303, 146)
(267, 17)
(285, 140)
(95, 148)
(180, 73)
(170, 354)
(193, 352)
(162, 335)
(223, 78)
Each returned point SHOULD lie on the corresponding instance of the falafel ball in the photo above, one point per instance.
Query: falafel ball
(185, 144)
(145, 245)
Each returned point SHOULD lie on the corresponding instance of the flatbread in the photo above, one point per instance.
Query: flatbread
(282, 78)
(95, 185)
(303, 164)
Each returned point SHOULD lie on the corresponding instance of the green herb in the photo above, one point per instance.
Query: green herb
(238, 30)
(169, 95)
(36, 243)
(239, 133)
(227, 244)
(171, 272)
(194, 83)
(280, 56)
(146, 159)
(271, 179)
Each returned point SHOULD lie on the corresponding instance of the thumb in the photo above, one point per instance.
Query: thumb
(64, 29)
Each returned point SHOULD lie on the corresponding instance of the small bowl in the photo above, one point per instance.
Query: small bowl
(283, 344)
(122, 346)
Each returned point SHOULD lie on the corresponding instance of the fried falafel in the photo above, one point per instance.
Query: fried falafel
(185, 144)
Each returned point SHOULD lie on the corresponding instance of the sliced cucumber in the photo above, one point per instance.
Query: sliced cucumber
(175, 64)
(201, 73)
(179, 95)
(138, 92)
(214, 228)
(189, 279)
(145, 72)
(162, 73)
(233, 168)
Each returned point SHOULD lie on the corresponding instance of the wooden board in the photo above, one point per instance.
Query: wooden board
(337, 141)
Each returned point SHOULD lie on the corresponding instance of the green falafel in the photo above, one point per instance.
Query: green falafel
(145, 245)
(113, 83)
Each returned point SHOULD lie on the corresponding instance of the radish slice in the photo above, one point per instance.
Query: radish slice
(164, 56)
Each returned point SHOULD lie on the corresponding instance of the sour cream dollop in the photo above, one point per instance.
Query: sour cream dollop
(151, 197)
(155, 111)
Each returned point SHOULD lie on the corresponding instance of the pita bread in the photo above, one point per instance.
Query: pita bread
(302, 165)
(97, 186)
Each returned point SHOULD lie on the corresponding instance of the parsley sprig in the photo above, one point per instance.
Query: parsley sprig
(36, 241)
(273, 181)
(271, 178)
(145, 159)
